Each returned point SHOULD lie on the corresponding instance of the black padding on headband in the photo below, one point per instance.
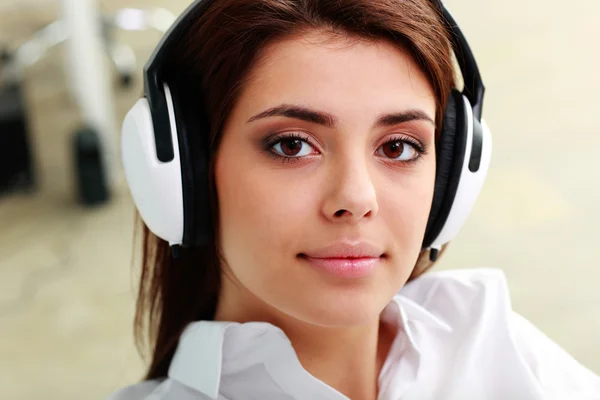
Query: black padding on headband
(473, 85)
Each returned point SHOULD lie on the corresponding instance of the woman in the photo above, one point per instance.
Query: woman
(317, 127)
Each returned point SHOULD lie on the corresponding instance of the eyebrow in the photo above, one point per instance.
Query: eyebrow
(330, 121)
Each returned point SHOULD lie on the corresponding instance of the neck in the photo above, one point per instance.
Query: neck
(349, 359)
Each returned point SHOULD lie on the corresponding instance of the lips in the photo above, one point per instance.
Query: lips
(345, 267)
(345, 250)
(346, 259)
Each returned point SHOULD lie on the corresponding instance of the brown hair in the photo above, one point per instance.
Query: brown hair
(207, 70)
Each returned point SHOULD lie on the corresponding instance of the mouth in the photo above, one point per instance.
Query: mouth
(345, 267)
(346, 258)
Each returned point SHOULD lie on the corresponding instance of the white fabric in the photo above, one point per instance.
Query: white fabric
(458, 340)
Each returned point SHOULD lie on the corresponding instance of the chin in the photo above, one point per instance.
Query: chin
(340, 309)
(339, 302)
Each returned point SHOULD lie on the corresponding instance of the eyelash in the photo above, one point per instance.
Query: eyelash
(272, 141)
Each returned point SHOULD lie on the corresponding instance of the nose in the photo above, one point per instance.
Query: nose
(351, 194)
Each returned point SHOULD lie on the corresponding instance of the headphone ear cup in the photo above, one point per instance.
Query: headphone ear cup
(467, 173)
(449, 156)
(156, 187)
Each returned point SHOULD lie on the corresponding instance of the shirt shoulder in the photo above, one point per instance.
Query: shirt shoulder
(476, 304)
(468, 280)
(459, 296)
(147, 390)
(158, 389)
(553, 367)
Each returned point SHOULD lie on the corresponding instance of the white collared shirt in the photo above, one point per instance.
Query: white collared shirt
(458, 339)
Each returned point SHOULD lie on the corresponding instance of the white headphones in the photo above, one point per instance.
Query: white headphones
(172, 197)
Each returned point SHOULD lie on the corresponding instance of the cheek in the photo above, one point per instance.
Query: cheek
(259, 213)
(405, 207)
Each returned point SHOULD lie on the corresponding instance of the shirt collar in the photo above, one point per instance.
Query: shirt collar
(202, 355)
(198, 359)
(207, 348)
(410, 312)
(407, 315)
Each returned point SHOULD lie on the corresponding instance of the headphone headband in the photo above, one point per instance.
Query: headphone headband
(153, 82)
(473, 84)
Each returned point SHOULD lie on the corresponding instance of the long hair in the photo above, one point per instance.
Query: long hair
(207, 71)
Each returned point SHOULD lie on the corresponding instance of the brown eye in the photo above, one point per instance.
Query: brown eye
(393, 149)
(292, 147)
(399, 150)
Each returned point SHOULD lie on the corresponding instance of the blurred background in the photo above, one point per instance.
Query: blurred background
(70, 70)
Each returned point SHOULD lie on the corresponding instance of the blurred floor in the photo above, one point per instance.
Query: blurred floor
(66, 276)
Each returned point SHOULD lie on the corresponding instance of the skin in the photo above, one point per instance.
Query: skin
(342, 185)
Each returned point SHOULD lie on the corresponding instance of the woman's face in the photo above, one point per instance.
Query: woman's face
(330, 148)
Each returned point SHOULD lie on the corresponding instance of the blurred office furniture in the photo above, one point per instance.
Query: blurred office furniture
(16, 162)
(88, 36)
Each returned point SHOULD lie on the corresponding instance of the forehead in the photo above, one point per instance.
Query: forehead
(327, 70)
